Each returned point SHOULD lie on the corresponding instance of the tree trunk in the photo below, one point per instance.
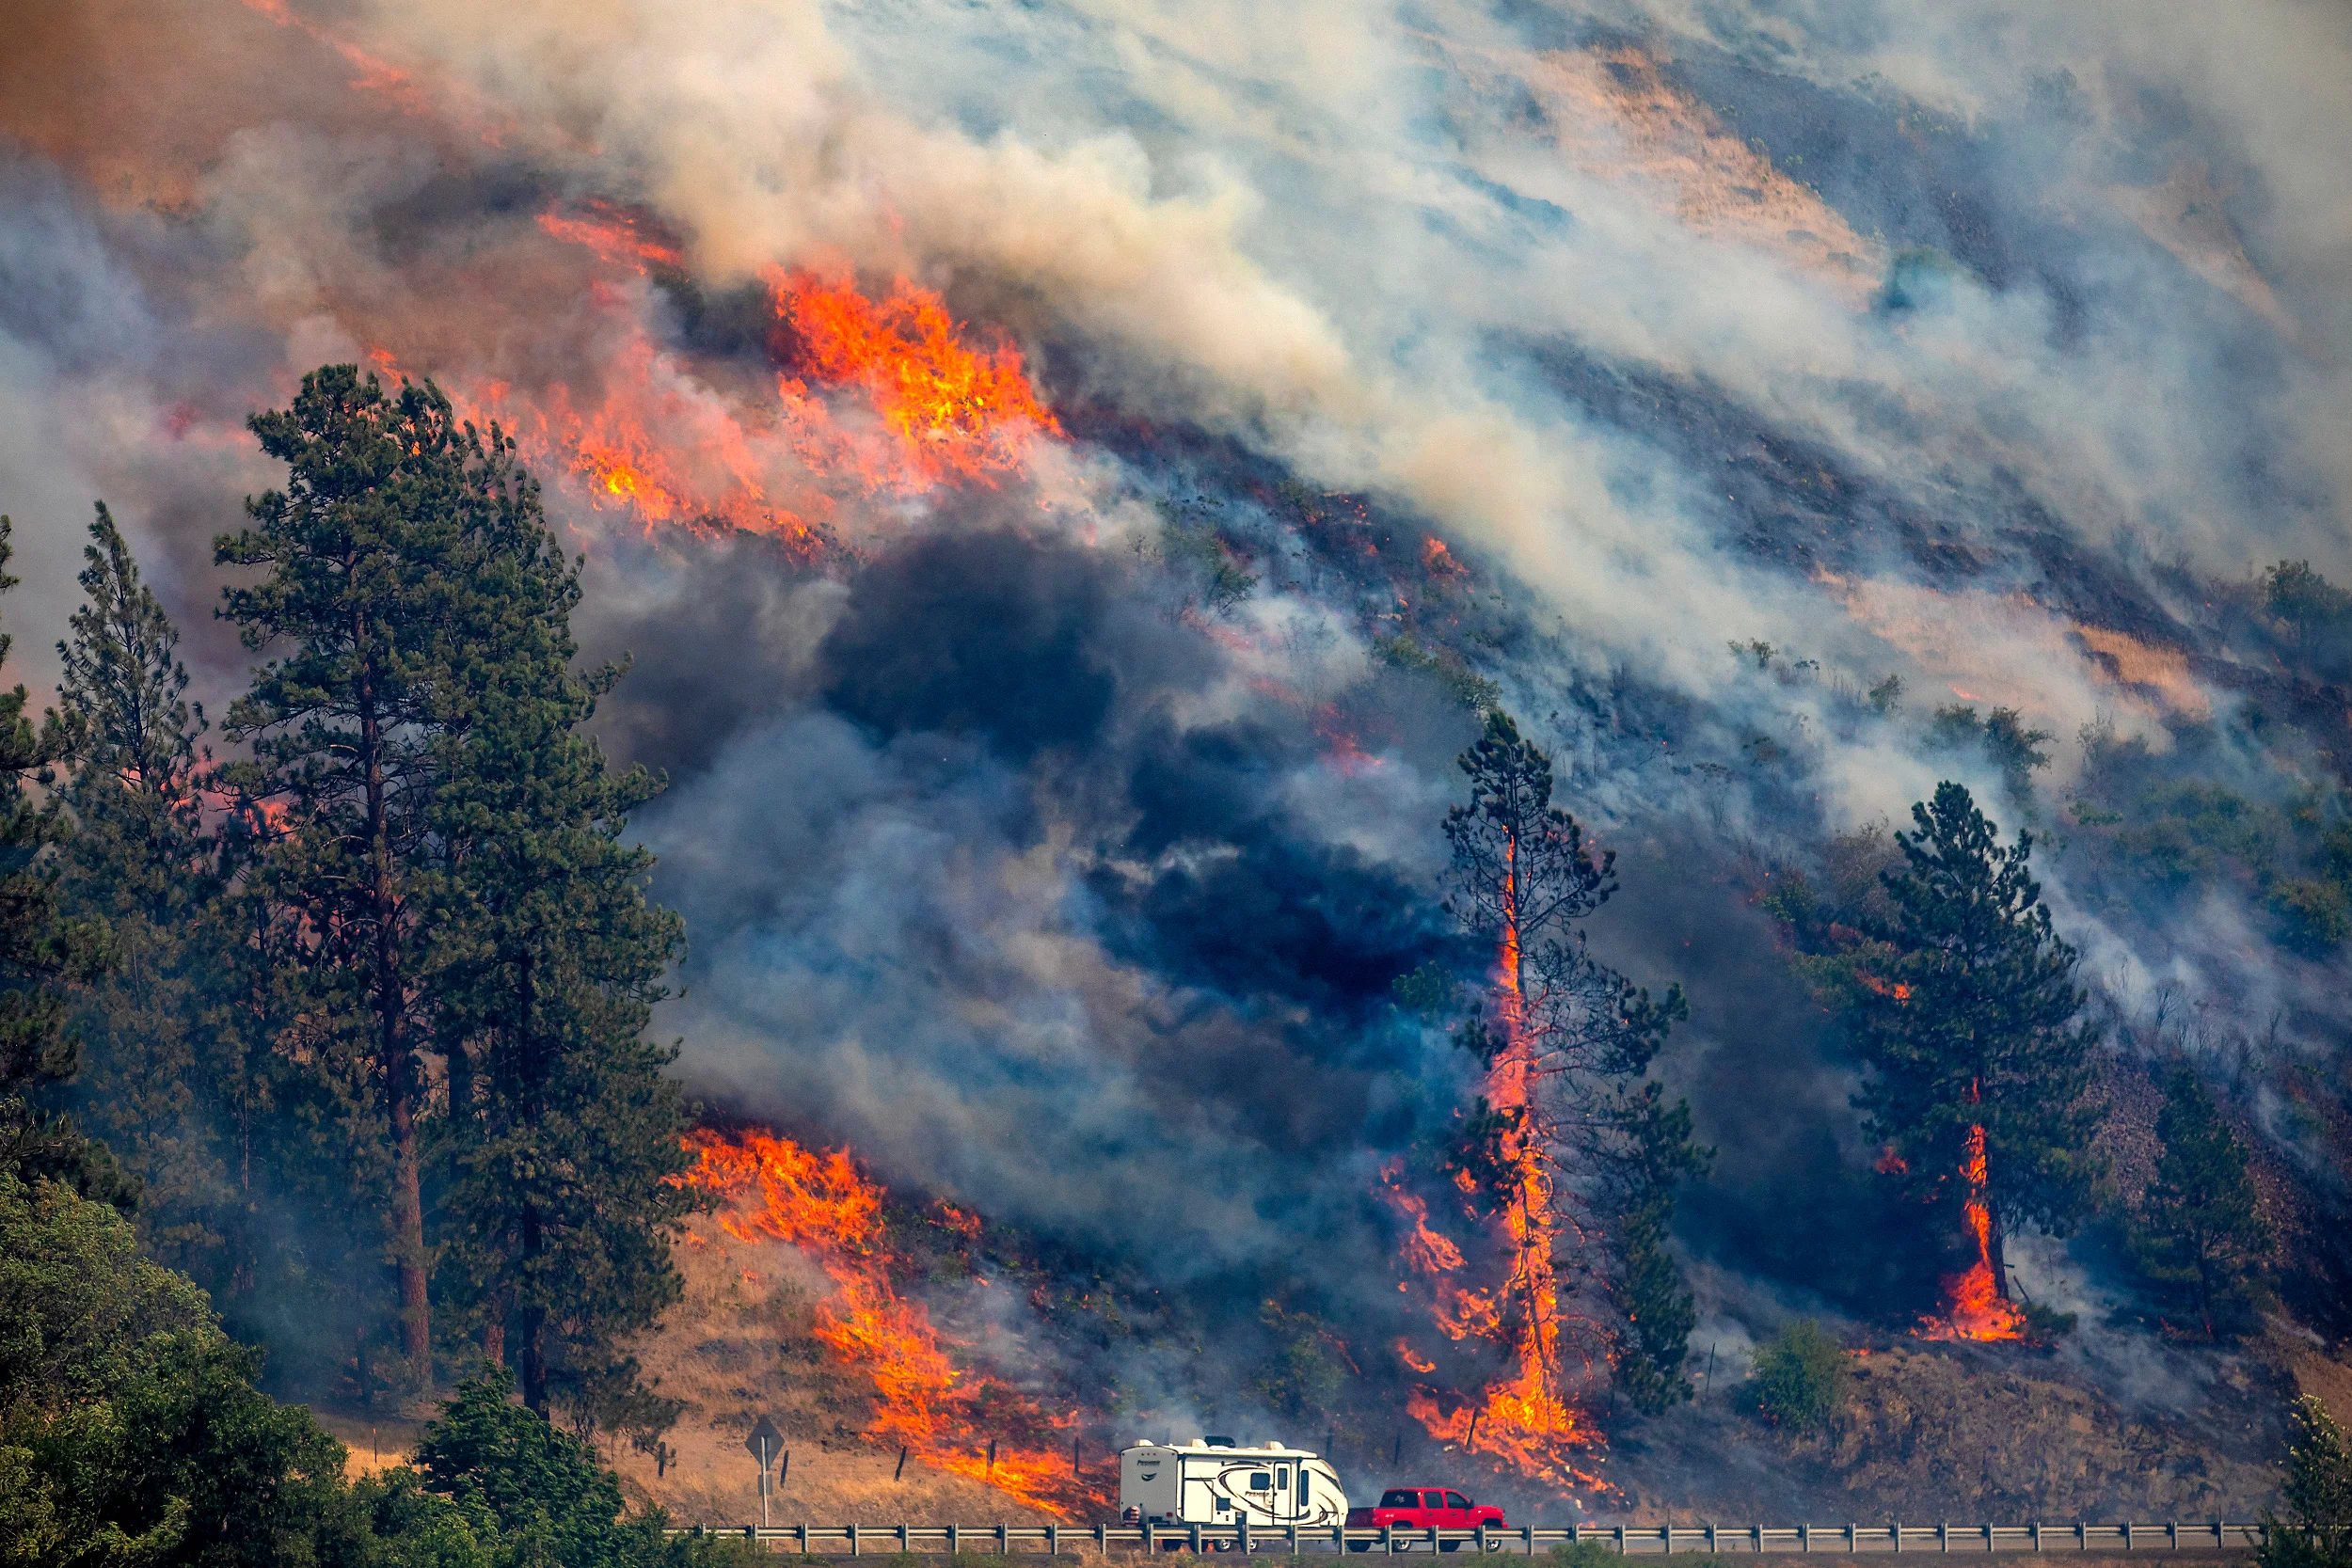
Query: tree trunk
(407, 1196)
(494, 1338)
(1997, 1248)
(533, 1356)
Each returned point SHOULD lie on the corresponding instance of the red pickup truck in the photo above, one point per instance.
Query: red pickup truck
(1421, 1507)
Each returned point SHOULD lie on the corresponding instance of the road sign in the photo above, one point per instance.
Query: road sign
(765, 1443)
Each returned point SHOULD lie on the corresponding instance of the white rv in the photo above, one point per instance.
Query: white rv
(1211, 1481)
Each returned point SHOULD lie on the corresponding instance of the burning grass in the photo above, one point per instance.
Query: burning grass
(957, 1420)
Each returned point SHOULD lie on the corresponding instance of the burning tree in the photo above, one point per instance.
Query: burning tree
(1549, 1152)
(1979, 1078)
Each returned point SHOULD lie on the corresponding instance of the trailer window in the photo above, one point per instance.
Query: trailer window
(1304, 1475)
(1261, 1481)
(1282, 1478)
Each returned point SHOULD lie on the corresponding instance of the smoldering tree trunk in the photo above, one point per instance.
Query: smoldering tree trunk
(1997, 1253)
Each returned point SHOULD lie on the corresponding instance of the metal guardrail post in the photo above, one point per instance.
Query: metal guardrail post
(1387, 1539)
(1147, 1535)
(1196, 1540)
(1527, 1536)
(1899, 1535)
(1943, 1536)
(857, 1547)
(1621, 1541)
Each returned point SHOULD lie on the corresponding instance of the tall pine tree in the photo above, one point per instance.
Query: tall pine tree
(43, 951)
(565, 1135)
(372, 600)
(141, 860)
(1972, 1022)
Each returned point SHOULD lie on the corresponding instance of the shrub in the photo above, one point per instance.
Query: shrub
(1800, 1376)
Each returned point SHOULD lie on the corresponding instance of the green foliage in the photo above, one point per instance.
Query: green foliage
(1195, 552)
(130, 1423)
(1658, 1306)
(43, 948)
(2314, 614)
(2184, 833)
(1310, 1372)
(1888, 695)
(1799, 1377)
(161, 1078)
(1472, 690)
(2001, 737)
(2199, 1236)
(2317, 1532)
(1971, 1021)
(1583, 1554)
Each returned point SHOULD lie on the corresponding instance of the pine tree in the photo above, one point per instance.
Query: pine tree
(1658, 1307)
(1973, 1025)
(43, 951)
(2201, 1234)
(2317, 1532)
(1560, 1118)
(371, 605)
(141, 860)
(565, 1135)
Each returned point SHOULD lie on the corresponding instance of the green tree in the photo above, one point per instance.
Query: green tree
(538, 1489)
(141, 860)
(372, 603)
(43, 949)
(565, 1135)
(1972, 1022)
(2201, 1235)
(2317, 1532)
(130, 1429)
(1799, 1377)
(1656, 1304)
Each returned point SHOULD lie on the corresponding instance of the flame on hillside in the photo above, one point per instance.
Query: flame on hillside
(886, 398)
(771, 1189)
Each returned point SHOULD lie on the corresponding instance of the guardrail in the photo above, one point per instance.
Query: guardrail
(1625, 1540)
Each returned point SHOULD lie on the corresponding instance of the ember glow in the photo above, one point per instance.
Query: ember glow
(771, 1189)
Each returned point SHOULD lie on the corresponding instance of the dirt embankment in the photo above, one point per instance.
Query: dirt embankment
(1977, 1433)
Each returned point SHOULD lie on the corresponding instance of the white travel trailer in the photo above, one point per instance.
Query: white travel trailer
(1211, 1481)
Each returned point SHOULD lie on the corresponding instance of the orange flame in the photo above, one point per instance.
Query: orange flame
(772, 1188)
(962, 414)
(1522, 1418)
(1974, 1305)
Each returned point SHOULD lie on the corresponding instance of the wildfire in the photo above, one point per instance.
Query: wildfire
(954, 1418)
(883, 398)
(1975, 1307)
(961, 413)
(1523, 1418)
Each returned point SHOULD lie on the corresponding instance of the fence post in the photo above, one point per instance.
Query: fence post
(1147, 1547)
(1943, 1536)
(1755, 1539)
(1004, 1539)
(1294, 1540)
(804, 1540)
(854, 1544)
(1621, 1541)
(902, 1540)
(1527, 1536)
(1849, 1541)
(2173, 1529)
(1101, 1541)
(1804, 1538)
(1899, 1535)
(1484, 1547)
(2037, 1535)
(1387, 1539)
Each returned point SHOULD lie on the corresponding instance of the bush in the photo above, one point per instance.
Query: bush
(1799, 1377)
